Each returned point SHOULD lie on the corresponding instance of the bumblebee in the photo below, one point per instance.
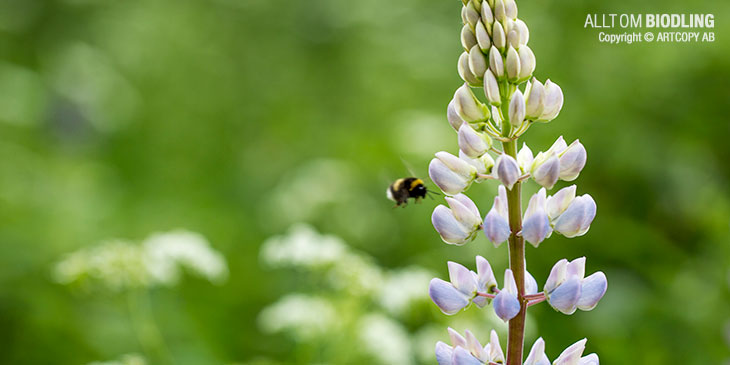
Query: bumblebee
(408, 187)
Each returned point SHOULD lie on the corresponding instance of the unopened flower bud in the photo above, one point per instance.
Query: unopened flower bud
(558, 203)
(477, 62)
(517, 109)
(499, 37)
(482, 37)
(524, 32)
(450, 173)
(512, 65)
(535, 224)
(468, 39)
(546, 171)
(577, 218)
(507, 170)
(506, 304)
(513, 38)
(468, 106)
(524, 158)
(477, 4)
(496, 223)
(454, 119)
(491, 88)
(465, 71)
(527, 62)
(510, 9)
(496, 64)
(469, 15)
(535, 99)
(500, 13)
(487, 16)
(473, 143)
(553, 101)
(572, 161)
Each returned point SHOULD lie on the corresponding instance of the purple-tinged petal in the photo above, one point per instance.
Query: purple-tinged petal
(592, 290)
(463, 199)
(463, 357)
(525, 158)
(572, 161)
(558, 203)
(473, 345)
(576, 220)
(450, 229)
(446, 297)
(456, 164)
(485, 276)
(506, 305)
(495, 349)
(557, 275)
(507, 170)
(577, 268)
(471, 142)
(453, 117)
(571, 355)
(496, 226)
(444, 353)
(591, 359)
(547, 172)
(537, 354)
(463, 213)
(565, 297)
(462, 278)
(457, 340)
(536, 225)
(530, 283)
(447, 180)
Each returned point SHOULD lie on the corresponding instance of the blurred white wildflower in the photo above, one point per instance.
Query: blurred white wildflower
(401, 289)
(302, 246)
(423, 341)
(385, 340)
(356, 273)
(305, 316)
(128, 359)
(120, 265)
(166, 253)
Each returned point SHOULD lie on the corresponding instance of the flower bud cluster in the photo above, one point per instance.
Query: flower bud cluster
(466, 350)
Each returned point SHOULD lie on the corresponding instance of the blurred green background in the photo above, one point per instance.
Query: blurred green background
(237, 119)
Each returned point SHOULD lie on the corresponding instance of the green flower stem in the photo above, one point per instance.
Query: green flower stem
(515, 342)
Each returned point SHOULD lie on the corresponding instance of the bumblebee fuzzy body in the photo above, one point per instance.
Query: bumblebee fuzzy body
(402, 189)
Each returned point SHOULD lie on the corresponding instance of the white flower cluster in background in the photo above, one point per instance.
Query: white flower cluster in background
(307, 316)
(159, 260)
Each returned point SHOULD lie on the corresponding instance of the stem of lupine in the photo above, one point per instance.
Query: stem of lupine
(515, 342)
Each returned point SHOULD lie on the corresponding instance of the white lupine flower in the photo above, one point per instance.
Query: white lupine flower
(517, 109)
(558, 203)
(525, 158)
(553, 101)
(477, 62)
(465, 71)
(499, 38)
(535, 97)
(305, 316)
(468, 106)
(572, 161)
(496, 223)
(510, 9)
(491, 89)
(577, 218)
(527, 62)
(454, 118)
(482, 37)
(469, 15)
(546, 169)
(385, 339)
(467, 350)
(473, 143)
(506, 170)
(512, 64)
(500, 12)
(459, 223)
(535, 224)
(450, 173)
(468, 39)
(487, 15)
(567, 288)
(496, 63)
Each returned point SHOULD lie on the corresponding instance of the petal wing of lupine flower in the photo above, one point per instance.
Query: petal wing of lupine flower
(591, 359)
(577, 268)
(506, 305)
(572, 161)
(496, 223)
(565, 297)
(447, 180)
(547, 172)
(553, 101)
(558, 203)
(558, 146)
(572, 354)
(473, 345)
(507, 170)
(534, 103)
(485, 275)
(537, 354)
(449, 299)
(557, 275)
(462, 278)
(495, 349)
(444, 353)
(464, 210)
(536, 225)
(453, 117)
(577, 219)
(530, 283)
(450, 229)
(467, 105)
(463, 357)
(457, 340)
(471, 142)
(592, 290)
(525, 158)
